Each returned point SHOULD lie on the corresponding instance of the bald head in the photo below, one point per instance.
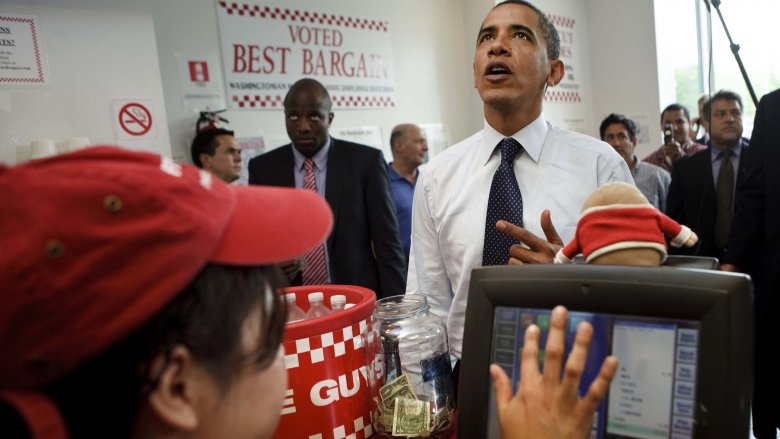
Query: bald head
(307, 113)
(310, 87)
(408, 145)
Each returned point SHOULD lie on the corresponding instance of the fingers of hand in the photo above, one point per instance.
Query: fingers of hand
(519, 233)
(549, 229)
(529, 360)
(553, 352)
(599, 386)
(575, 364)
(514, 261)
(529, 256)
(501, 387)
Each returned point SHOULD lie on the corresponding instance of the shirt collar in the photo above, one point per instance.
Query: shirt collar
(320, 159)
(531, 137)
(393, 175)
(636, 166)
(715, 151)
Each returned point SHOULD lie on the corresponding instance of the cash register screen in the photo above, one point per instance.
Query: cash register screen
(683, 339)
(653, 394)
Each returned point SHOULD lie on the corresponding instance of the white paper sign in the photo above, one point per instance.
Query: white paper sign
(269, 45)
(201, 81)
(21, 54)
(134, 119)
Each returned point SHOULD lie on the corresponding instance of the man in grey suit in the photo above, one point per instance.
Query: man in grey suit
(364, 247)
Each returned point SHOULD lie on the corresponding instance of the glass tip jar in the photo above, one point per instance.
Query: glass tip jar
(410, 374)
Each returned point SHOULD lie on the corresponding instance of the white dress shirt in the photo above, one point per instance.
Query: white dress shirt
(556, 170)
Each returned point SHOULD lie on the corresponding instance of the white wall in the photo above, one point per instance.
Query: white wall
(97, 51)
(624, 66)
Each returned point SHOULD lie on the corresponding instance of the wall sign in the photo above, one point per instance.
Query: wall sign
(201, 82)
(268, 47)
(133, 119)
(21, 55)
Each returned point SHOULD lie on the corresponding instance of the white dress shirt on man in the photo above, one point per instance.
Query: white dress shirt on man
(556, 170)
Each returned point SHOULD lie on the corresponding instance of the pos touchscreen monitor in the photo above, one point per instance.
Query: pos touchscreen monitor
(683, 339)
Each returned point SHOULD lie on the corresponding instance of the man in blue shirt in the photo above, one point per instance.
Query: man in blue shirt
(653, 181)
(409, 147)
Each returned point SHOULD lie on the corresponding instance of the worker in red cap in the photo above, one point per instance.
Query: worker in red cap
(139, 297)
(138, 300)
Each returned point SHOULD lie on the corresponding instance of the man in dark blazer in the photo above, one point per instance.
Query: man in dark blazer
(692, 198)
(754, 248)
(364, 247)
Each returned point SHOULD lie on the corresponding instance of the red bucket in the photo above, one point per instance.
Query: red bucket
(327, 392)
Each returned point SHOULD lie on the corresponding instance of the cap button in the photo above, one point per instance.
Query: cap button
(54, 248)
(112, 203)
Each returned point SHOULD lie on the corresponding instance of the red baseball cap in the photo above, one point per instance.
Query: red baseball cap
(97, 241)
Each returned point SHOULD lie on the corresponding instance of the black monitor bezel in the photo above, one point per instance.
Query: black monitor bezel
(707, 296)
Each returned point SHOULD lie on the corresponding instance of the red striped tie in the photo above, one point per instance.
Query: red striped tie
(315, 273)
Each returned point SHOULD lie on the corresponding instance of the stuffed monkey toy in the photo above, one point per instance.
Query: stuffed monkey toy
(618, 226)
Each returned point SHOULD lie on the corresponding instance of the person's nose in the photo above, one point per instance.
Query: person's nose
(498, 46)
(303, 126)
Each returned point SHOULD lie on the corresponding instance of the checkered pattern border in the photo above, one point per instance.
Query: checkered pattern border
(559, 21)
(360, 431)
(562, 96)
(244, 9)
(38, 63)
(258, 101)
(313, 349)
(362, 101)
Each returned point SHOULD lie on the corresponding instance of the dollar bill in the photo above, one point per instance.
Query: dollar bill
(411, 417)
(400, 387)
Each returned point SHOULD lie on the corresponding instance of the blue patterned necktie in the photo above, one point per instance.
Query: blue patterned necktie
(505, 203)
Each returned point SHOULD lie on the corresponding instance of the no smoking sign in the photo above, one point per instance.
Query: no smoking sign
(133, 119)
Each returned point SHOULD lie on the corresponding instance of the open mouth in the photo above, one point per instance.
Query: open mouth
(496, 70)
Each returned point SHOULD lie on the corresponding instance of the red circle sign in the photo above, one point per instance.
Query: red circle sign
(135, 119)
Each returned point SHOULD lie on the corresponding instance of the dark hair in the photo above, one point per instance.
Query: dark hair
(311, 84)
(550, 34)
(105, 394)
(615, 119)
(206, 143)
(675, 107)
(722, 95)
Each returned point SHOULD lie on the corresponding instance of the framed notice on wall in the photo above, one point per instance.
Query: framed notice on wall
(268, 45)
(21, 55)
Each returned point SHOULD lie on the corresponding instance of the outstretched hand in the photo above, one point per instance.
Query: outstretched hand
(547, 404)
(538, 251)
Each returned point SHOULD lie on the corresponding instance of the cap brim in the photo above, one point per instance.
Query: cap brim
(272, 225)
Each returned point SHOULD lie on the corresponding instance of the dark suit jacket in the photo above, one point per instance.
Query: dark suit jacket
(755, 229)
(364, 247)
(692, 200)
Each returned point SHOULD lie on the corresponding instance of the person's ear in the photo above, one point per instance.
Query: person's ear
(205, 160)
(556, 73)
(179, 391)
(330, 118)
